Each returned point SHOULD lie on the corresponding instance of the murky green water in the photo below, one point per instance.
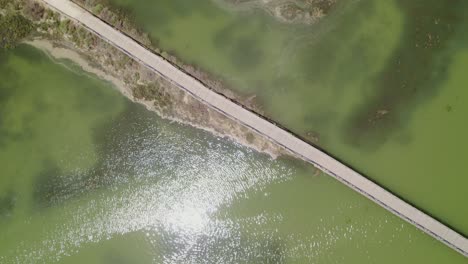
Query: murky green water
(380, 83)
(88, 177)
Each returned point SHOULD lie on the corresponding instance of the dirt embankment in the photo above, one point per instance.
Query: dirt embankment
(65, 39)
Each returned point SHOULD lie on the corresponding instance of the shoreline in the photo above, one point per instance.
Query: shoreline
(61, 53)
(62, 38)
(56, 52)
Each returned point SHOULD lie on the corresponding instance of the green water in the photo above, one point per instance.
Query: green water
(381, 83)
(89, 177)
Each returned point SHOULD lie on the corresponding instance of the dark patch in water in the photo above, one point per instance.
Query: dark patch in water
(7, 204)
(224, 37)
(52, 187)
(7, 90)
(317, 63)
(233, 248)
(116, 257)
(318, 119)
(117, 143)
(245, 54)
(12, 86)
(412, 75)
(48, 187)
(273, 251)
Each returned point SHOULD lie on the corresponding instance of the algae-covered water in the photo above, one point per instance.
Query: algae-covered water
(380, 84)
(89, 177)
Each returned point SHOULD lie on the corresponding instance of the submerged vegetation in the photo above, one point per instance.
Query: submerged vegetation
(48, 187)
(7, 204)
(414, 73)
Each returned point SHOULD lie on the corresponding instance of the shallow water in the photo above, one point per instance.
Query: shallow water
(89, 177)
(381, 84)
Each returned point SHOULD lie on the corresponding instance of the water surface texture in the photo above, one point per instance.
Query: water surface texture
(89, 177)
(380, 84)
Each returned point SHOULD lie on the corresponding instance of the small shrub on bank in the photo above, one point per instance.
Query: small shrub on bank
(13, 28)
(147, 92)
(4, 3)
(33, 10)
(97, 9)
(250, 138)
(64, 25)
